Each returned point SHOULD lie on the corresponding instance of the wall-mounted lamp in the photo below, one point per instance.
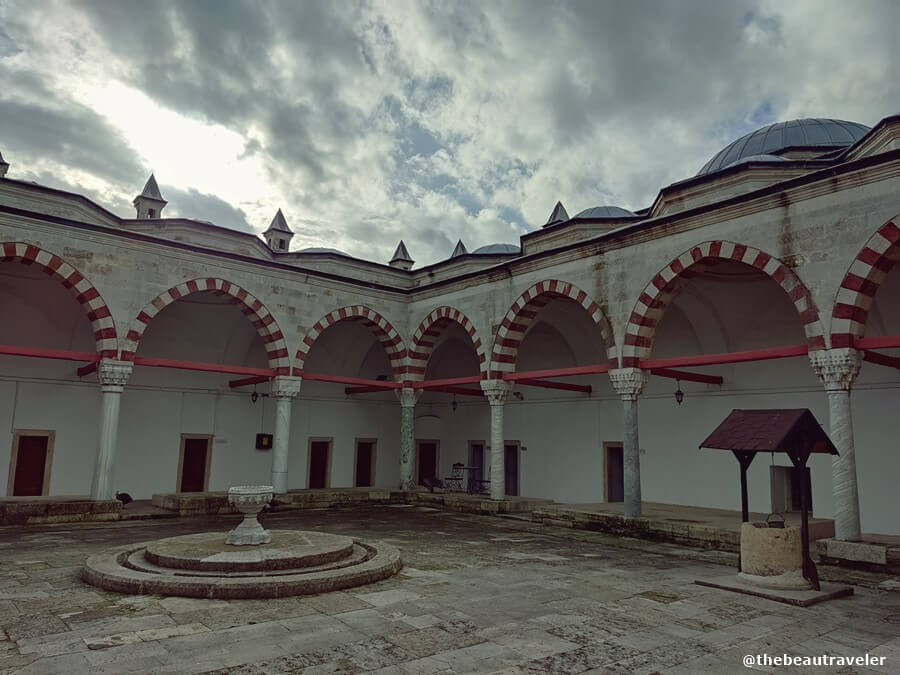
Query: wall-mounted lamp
(679, 395)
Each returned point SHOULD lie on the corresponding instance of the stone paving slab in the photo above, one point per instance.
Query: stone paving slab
(568, 601)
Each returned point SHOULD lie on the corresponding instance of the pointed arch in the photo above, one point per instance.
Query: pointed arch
(425, 335)
(863, 279)
(105, 338)
(524, 310)
(652, 303)
(380, 327)
(253, 308)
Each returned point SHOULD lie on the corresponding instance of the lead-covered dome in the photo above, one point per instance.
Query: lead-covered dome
(805, 133)
(497, 249)
(605, 212)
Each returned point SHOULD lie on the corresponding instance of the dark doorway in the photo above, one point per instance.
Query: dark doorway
(427, 461)
(785, 487)
(31, 465)
(194, 464)
(615, 474)
(476, 460)
(511, 468)
(319, 459)
(365, 463)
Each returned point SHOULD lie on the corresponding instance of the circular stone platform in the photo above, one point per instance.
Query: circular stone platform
(203, 566)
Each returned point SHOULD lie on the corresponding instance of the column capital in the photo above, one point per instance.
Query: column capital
(837, 368)
(628, 382)
(113, 374)
(496, 391)
(285, 386)
(408, 396)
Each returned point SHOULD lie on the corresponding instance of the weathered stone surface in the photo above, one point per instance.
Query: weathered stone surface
(602, 608)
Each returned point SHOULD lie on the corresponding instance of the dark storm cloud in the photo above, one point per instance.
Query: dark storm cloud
(192, 203)
(72, 136)
(375, 120)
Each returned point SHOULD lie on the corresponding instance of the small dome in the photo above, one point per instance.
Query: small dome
(605, 212)
(495, 249)
(318, 249)
(805, 133)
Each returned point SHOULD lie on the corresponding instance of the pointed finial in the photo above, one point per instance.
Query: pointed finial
(459, 250)
(558, 215)
(401, 258)
(150, 202)
(279, 223)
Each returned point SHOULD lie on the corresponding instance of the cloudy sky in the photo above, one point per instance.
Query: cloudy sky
(369, 121)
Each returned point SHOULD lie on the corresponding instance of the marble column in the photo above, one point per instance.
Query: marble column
(284, 390)
(838, 368)
(496, 392)
(408, 398)
(112, 375)
(628, 383)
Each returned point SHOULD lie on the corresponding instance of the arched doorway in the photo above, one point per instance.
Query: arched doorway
(186, 429)
(348, 432)
(556, 326)
(723, 298)
(52, 313)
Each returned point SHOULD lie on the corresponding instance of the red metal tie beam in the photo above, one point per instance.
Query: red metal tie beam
(686, 376)
(234, 384)
(41, 353)
(566, 386)
(448, 382)
(557, 372)
(730, 357)
(203, 367)
(877, 342)
(88, 369)
(881, 359)
(358, 381)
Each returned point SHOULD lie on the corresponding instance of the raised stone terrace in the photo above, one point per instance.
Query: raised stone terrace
(477, 594)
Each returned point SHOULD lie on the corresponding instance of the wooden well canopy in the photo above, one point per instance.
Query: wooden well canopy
(793, 431)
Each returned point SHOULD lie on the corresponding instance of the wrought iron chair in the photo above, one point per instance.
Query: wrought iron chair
(455, 480)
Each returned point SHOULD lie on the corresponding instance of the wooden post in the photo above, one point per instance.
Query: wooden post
(810, 573)
(744, 458)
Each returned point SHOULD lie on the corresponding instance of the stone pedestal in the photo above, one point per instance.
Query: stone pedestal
(772, 557)
(249, 500)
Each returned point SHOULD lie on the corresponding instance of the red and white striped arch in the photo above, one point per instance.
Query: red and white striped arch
(857, 290)
(266, 326)
(379, 326)
(87, 296)
(524, 310)
(655, 298)
(426, 335)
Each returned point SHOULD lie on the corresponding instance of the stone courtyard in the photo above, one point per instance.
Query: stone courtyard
(477, 594)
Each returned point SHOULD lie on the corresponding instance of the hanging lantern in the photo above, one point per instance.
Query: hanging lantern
(453, 403)
(679, 395)
(254, 397)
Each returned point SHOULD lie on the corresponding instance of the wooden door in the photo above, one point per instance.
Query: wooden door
(511, 468)
(615, 474)
(427, 461)
(365, 465)
(319, 452)
(31, 465)
(194, 464)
